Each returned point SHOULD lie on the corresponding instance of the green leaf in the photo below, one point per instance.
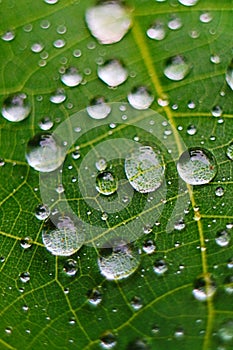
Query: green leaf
(51, 310)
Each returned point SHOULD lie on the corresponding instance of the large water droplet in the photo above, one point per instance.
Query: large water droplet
(44, 153)
(229, 75)
(225, 332)
(106, 183)
(140, 98)
(26, 242)
(108, 21)
(230, 151)
(16, 107)
(149, 247)
(197, 166)
(98, 108)
(118, 262)
(112, 72)
(204, 288)
(177, 68)
(188, 2)
(71, 77)
(64, 238)
(144, 169)
(156, 31)
(223, 238)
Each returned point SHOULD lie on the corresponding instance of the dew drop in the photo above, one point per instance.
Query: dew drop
(45, 124)
(16, 107)
(58, 96)
(2, 162)
(215, 59)
(188, 2)
(51, 2)
(59, 43)
(44, 153)
(42, 212)
(230, 151)
(204, 288)
(101, 164)
(197, 166)
(206, 17)
(136, 303)
(106, 183)
(228, 286)
(229, 75)
(179, 225)
(76, 154)
(108, 21)
(177, 68)
(156, 31)
(175, 23)
(191, 130)
(60, 189)
(94, 297)
(223, 238)
(149, 247)
(98, 108)
(225, 332)
(26, 242)
(144, 169)
(108, 340)
(179, 333)
(37, 47)
(71, 77)
(8, 35)
(70, 267)
(140, 98)
(216, 111)
(219, 192)
(112, 72)
(160, 267)
(25, 277)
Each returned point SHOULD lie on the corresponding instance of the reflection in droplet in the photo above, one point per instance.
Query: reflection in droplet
(98, 108)
(37, 47)
(177, 68)
(26, 242)
(70, 267)
(160, 267)
(108, 340)
(16, 107)
(9, 35)
(71, 77)
(216, 111)
(94, 297)
(106, 183)
(112, 72)
(25, 277)
(191, 129)
(45, 123)
(140, 98)
(42, 212)
(149, 247)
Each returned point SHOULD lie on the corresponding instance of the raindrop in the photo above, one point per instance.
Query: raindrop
(188, 2)
(26, 242)
(25, 277)
(112, 72)
(108, 340)
(229, 75)
(136, 303)
(140, 98)
(177, 68)
(45, 124)
(225, 332)
(8, 35)
(37, 47)
(149, 247)
(45, 153)
(144, 169)
(156, 31)
(64, 238)
(104, 216)
(160, 267)
(118, 262)
(223, 238)
(191, 105)
(42, 212)
(204, 288)
(137, 345)
(70, 267)
(58, 96)
(94, 297)
(106, 183)
(61, 29)
(219, 192)
(108, 21)
(98, 108)
(230, 151)
(71, 77)
(191, 130)
(216, 111)
(16, 107)
(230, 263)
(101, 164)
(197, 166)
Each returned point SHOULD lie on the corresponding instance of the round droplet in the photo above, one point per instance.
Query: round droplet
(101, 164)
(16, 107)
(179, 333)
(206, 17)
(144, 169)
(2, 162)
(76, 154)
(9, 35)
(197, 166)
(106, 183)
(37, 47)
(51, 2)
(60, 189)
(175, 23)
(215, 59)
(64, 238)
(58, 96)
(177, 68)
(71, 77)
(156, 31)
(149, 247)
(225, 332)
(230, 151)
(229, 75)
(98, 108)
(219, 192)
(112, 72)
(179, 225)
(26, 242)
(223, 238)
(24, 277)
(108, 21)
(70, 267)
(118, 262)
(188, 2)
(94, 297)
(140, 98)
(42, 212)
(204, 288)
(160, 267)
(136, 303)
(45, 153)
(216, 111)
(108, 340)
(191, 130)
(228, 285)
(45, 124)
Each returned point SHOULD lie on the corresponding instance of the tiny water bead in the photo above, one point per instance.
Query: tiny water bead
(188, 2)
(70, 267)
(98, 108)
(197, 166)
(219, 192)
(9, 35)
(136, 303)
(71, 77)
(16, 107)
(44, 153)
(156, 31)
(108, 21)
(191, 130)
(177, 68)
(42, 212)
(118, 262)
(101, 164)
(216, 111)
(64, 238)
(58, 96)
(26, 242)
(94, 297)
(144, 169)
(106, 183)
(45, 124)
(37, 47)
(160, 267)
(25, 277)
(140, 98)
(225, 331)
(149, 247)
(108, 340)
(230, 151)
(229, 75)
(223, 238)
(112, 73)
(204, 288)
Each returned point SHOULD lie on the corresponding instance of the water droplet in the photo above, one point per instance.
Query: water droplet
(26, 242)
(2, 162)
(174, 23)
(106, 183)
(9, 35)
(140, 98)
(137, 345)
(45, 124)
(204, 288)
(206, 17)
(108, 340)
(216, 111)
(230, 263)
(59, 43)
(37, 47)
(98, 108)
(228, 285)
(94, 297)
(70, 267)
(156, 31)
(71, 77)
(179, 225)
(42, 212)
(8, 330)
(136, 303)
(16, 107)
(149, 247)
(44, 153)
(230, 151)
(219, 192)
(229, 75)
(191, 130)
(160, 267)
(101, 164)
(24, 277)
(118, 262)
(215, 59)
(58, 96)
(51, 2)
(177, 68)
(197, 166)
(61, 29)
(188, 2)
(223, 238)
(179, 333)
(112, 72)
(64, 238)
(225, 332)
(76, 154)
(191, 105)
(108, 21)
(144, 169)
(25, 308)
(60, 189)
(104, 216)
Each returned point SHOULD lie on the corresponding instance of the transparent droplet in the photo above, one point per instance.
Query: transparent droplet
(229, 75)
(60, 189)
(64, 238)
(223, 238)
(112, 72)
(98, 108)
(71, 77)
(179, 333)
(160, 267)
(24, 277)
(206, 17)
(191, 105)
(104, 216)
(2, 162)
(94, 297)
(188, 2)
(215, 59)
(204, 288)
(59, 43)
(16, 107)
(156, 31)
(51, 2)
(138, 344)
(149, 247)
(136, 303)
(225, 331)
(108, 21)
(118, 262)
(108, 340)
(45, 124)
(179, 225)
(70, 267)
(101, 164)
(216, 111)
(37, 47)
(9, 35)
(230, 151)
(44, 153)
(191, 130)
(140, 98)
(175, 23)
(177, 68)
(197, 166)
(144, 169)
(26, 242)
(106, 183)
(58, 96)
(42, 212)
(76, 154)
(219, 192)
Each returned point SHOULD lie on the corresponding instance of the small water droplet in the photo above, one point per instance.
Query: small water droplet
(229, 75)
(188, 2)
(71, 77)
(60, 189)
(140, 98)
(160, 267)
(136, 303)
(223, 238)
(225, 331)
(42, 212)
(2, 162)
(112, 72)
(61, 29)
(8, 330)
(106, 183)
(16, 107)
(197, 166)
(25, 277)
(179, 225)
(175, 23)
(26, 242)
(149, 247)
(229, 151)
(191, 130)
(177, 68)
(108, 340)
(179, 333)
(215, 59)
(37, 47)
(76, 154)
(51, 2)
(101, 164)
(70, 267)
(219, 192)
(25, 308)
(206, 17)
(45, 124)
(216, 111)
(94, 297)
(228, 285)
(156, 31)
(204, 288)
(58, 96)
(98, 108)
(59, 43)
(104, 216)
(9, 35)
